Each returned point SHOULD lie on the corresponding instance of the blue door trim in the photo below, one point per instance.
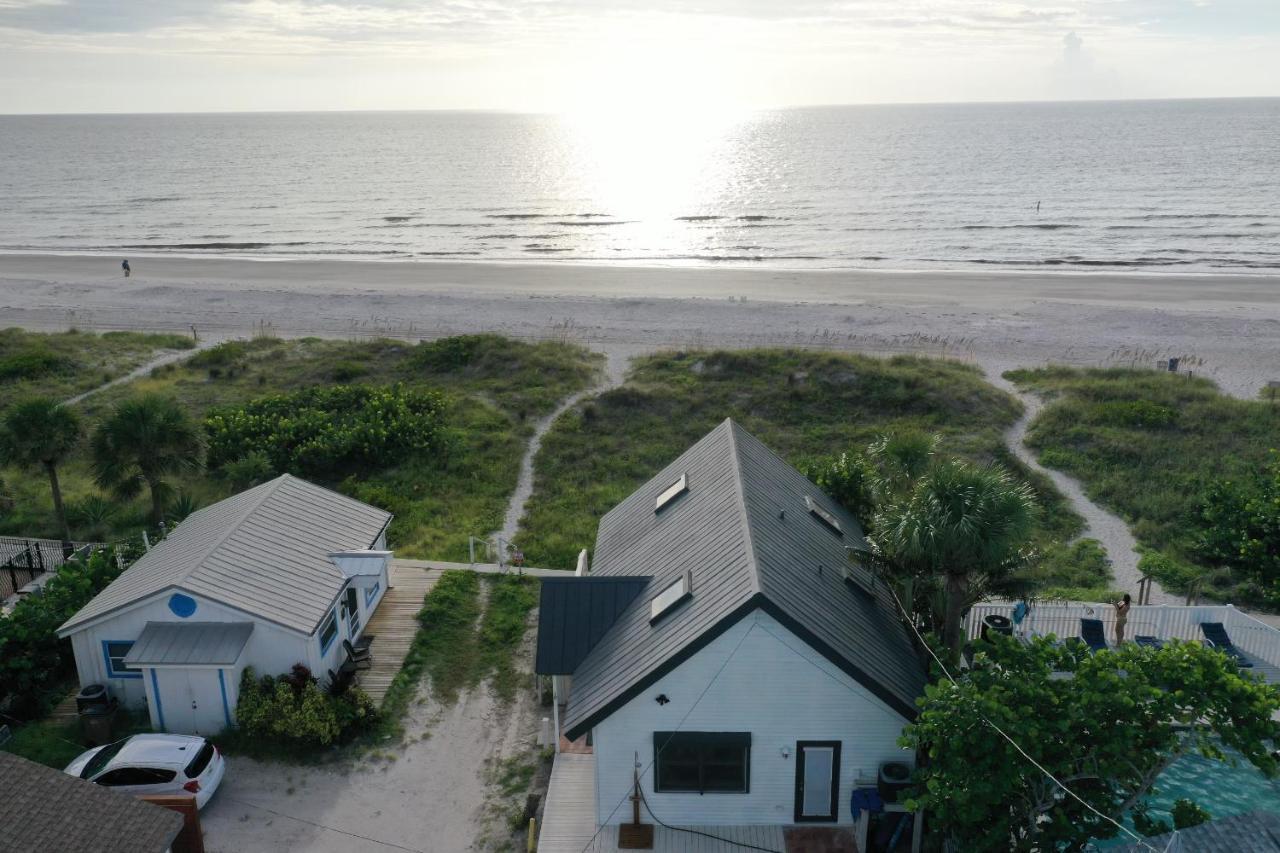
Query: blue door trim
(155, 688)
(226, 707)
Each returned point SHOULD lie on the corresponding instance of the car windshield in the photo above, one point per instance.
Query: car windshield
(200, 762)
(101, 759)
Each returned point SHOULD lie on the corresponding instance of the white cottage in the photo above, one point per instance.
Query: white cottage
(277, 575)
(724, 647)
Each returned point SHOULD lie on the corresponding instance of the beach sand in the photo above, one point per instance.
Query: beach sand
(1224, 327)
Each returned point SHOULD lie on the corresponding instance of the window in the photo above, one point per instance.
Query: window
(101, 759)
(200, 762)
(371, 593)
(113, 652)
(702, 762)
(126, 776)
(822, 515)
(666, 600)
(670, 493)
(328, 630)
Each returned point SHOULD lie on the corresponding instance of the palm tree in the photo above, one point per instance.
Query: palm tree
(41, 433)
(141, 443)
(966, 525)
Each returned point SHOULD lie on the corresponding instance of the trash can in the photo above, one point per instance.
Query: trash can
(996, 624)
(98, 723)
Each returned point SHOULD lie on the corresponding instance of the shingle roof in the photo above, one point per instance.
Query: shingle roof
(175, 643)
(45, 809)
(265, 551)
(1249, 832)
(744, 531)
(574, 613)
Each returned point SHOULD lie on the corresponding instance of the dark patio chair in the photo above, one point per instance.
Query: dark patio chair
(1093, 634)
(1216, 635)
(362, 659)
(1149, 641)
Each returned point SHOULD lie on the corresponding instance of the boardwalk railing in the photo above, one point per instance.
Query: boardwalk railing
(1163, 621)
(23, 560)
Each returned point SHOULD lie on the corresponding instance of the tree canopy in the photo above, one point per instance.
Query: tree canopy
(1241, 527)
(41, 433)
(142, 443)
(1106, 725)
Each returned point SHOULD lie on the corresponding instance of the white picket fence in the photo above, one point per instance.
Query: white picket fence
(1163, 621)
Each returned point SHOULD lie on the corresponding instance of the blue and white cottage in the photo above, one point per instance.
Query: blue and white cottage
(274, 576)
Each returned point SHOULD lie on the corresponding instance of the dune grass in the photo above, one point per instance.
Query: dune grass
(496, 389)
(1145, 444)
(803, 404)
(63, 364)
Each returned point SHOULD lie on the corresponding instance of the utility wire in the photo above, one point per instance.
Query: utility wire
(1011, 741)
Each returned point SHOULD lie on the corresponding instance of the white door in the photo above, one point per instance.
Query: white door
(817, 781)
(190, 701)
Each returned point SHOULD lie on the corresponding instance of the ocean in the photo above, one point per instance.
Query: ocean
(1186, 186)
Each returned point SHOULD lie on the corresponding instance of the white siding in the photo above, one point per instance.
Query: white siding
(774, 686)
(271, 649)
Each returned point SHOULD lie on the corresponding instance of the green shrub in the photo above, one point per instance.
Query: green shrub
(345, 371)
(294, 709)
(33, 661)
(90, 517)
(223, 355)
(453, 353)
(31, 363)
(249, 470)
(848, 479)
(324, 431)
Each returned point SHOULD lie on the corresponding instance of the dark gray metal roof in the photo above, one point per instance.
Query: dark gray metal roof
(177, 643)
(1249, 832)
(574, 613)
(264, 551)
(45, 809)
(744, 532)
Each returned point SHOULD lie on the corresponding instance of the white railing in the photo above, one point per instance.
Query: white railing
(1163, 621)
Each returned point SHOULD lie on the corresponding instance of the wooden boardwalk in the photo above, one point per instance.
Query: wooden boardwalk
(736, 839)
(569, 818)
(394, 625)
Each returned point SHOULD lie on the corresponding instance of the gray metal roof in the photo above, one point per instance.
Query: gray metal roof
(264, 551)
(574, 613)
(744, 532)
(45, 809)
(1249, 832)
(177, 643)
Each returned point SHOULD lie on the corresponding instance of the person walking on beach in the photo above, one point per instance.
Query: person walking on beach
(1122, 616)
(125, 266)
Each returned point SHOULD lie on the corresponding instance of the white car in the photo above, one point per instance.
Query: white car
(154, 764)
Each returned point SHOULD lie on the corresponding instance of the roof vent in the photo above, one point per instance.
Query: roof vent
(822, 515)
(670, 493)
(666, 601)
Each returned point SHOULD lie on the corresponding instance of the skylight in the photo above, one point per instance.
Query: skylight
(670, 493)
(822, 515)
(665, 601)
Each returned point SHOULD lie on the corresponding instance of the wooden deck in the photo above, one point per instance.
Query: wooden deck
(394, 625)
(671, 840)
(569, 817)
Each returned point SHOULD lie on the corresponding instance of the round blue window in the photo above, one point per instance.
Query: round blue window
(182, 605)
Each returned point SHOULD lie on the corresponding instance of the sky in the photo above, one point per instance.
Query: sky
(59, 56)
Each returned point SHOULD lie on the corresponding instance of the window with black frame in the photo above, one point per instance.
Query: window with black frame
(702, 762)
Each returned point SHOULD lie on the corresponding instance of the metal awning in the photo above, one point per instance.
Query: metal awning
(189, 644)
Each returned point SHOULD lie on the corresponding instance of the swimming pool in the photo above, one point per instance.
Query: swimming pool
(1215, 785)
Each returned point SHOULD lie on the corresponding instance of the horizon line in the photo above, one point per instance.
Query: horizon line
(756, 109)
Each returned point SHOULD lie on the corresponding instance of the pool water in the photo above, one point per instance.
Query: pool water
(1216, 786)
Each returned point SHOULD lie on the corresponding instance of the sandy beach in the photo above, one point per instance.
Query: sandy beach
(1226, 327)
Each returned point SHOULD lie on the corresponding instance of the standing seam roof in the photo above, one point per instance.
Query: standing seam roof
(264, 551)
(746, 536)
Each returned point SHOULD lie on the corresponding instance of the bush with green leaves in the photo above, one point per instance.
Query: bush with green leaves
(327, 431)
(1241, 527)
(34, 662)
(293, 708)
(31, 363)
(1105, 725)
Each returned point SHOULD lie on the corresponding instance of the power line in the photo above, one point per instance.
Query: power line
(907, 618)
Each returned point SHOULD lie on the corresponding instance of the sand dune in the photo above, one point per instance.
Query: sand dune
(1227, 327)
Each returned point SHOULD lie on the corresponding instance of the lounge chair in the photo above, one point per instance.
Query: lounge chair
(1216, 635)
(361, 658)
(1092, 633)
(1149, 641)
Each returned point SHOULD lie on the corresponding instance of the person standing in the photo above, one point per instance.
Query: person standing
(1122, 616)
(125, 266)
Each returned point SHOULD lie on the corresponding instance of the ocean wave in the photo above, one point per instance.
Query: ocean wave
(697, 218)
(217, 245)
(546, 249)
(518, 215)
(445, 254)
(397, 218)
(1037, 226)
(597, 222)
(1213, 215)
(150, 199)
